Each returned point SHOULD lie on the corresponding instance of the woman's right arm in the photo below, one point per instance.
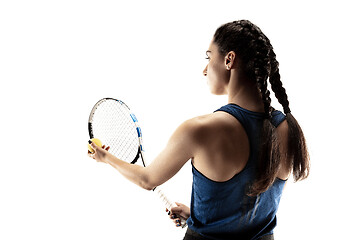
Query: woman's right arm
(180, 210)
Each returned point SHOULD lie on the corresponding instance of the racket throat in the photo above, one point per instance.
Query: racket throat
(137, 156)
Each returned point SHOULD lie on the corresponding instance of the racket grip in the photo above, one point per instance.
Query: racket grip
(169, 205)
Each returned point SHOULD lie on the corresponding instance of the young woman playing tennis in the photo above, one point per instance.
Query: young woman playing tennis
(242, 154)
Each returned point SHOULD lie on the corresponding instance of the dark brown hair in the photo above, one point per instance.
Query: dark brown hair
(259, 61)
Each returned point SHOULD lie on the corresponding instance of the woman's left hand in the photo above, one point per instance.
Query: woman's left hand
(100, 153)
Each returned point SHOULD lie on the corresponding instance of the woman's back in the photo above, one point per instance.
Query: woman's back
(223, 172)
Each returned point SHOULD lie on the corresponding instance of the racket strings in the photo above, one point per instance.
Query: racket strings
(113, 124)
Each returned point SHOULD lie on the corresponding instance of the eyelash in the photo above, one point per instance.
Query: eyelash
(207, 58)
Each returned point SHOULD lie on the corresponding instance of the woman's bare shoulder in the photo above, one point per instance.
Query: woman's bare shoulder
(218, 125)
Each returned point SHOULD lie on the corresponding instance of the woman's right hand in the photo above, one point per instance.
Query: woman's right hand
(180, 210)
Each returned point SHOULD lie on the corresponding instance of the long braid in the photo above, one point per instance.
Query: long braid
(276, 84)
(261, 76)
(260, 63)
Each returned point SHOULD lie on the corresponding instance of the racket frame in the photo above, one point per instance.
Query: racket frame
(140, 152)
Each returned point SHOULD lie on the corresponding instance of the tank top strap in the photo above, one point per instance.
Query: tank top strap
(246, 117)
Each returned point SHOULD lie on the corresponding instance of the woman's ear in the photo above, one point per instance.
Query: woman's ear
(229, 60)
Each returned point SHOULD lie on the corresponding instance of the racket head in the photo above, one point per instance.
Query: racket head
(116, 126)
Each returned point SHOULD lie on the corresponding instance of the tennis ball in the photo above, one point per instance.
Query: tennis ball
(97, 142)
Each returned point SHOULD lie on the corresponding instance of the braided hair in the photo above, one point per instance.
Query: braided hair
(260, 65)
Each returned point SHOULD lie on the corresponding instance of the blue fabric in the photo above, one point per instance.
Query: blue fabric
(222, 210)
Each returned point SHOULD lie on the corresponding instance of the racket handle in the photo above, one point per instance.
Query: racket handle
(169, 205)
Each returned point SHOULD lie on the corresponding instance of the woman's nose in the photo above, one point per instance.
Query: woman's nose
(205, 71)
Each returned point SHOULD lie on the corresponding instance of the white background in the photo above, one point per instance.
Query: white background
(57, 58)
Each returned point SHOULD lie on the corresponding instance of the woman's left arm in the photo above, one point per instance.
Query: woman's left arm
(179, 149)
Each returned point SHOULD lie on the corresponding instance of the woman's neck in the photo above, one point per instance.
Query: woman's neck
(244, 93)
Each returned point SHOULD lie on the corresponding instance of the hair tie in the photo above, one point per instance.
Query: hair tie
(287, 110)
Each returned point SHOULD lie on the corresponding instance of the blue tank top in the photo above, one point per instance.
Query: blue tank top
(222, 210)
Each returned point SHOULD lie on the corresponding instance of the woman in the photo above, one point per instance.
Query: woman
(242, 154)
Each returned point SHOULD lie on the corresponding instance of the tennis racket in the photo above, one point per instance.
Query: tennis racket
(116, 126)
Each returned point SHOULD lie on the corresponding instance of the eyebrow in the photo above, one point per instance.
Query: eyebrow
(208, 51)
